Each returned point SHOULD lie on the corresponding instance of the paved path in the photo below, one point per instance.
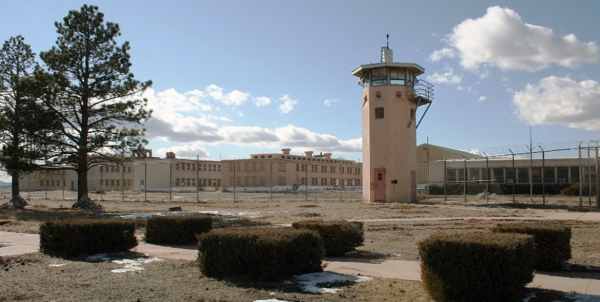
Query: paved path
(584, 283)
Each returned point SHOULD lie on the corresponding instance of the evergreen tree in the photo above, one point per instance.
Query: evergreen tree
(95, 96)
(21, 120)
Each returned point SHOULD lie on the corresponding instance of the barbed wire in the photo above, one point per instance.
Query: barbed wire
(536, 148)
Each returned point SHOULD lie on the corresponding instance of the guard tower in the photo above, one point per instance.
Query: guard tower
(390, 98)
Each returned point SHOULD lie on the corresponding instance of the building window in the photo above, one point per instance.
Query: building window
(379, 176)
(379, 112)
(397, 76)
(379, 77)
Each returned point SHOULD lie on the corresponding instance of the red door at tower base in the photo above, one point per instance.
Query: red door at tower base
(379, 184)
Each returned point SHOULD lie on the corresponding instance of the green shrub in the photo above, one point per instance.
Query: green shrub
(552, 243)
(176, 229)
(73, 238)
(573, 190)
(476, 266)
(339, 236)
(263, 254)
(436, 190)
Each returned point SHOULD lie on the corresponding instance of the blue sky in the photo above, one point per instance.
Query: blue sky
(238, 77)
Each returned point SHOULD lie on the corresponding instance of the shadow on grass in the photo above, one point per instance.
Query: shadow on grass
(545, 295)
(361, 257)
(248, 283)
(575, 271)
(43, 215)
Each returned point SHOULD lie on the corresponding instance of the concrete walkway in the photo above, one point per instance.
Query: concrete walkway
(569, 282)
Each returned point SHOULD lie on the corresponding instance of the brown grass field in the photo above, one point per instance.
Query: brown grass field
(31, 278)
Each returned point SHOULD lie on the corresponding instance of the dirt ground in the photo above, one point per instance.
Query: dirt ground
(30, 277)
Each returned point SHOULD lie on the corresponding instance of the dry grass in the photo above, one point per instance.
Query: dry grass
(29, 277)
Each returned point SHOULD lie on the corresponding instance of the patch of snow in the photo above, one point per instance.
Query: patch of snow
(132, 265)
(575, 297)
(582, 298)
(309, 282)
(97, 258)
(129, 264)
(270, 300)
(56, 265)
(529, 297)
(217, 214)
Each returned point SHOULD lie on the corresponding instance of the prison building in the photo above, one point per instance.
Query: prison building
(136, 174)
(501, 176)
(177, 174)
(427, 153)
(285, 171)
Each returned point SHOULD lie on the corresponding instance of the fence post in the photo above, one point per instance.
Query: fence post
(145, 179)
(465, 179)
(271, 179)
(306, 177)
(543, 178)
(234, 179)
(597, 179)
(514, 179)
(427, 190)
(101, 183)
(445, 180)
(589, 176)
(580, 178)
(122, 182)
(341, 179)
(487, 179)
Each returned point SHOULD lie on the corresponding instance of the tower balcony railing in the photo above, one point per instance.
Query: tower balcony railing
(422, 92)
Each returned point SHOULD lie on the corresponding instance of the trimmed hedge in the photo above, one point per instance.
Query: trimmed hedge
(476, 266)
(552, 243)
(339, 236)
(177, 230)
(264, 254)
(73, 238)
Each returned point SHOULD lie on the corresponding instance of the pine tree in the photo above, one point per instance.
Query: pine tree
(96, 98)
(21, 124)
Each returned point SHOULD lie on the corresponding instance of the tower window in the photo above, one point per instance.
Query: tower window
(379, 112)
(379, 77)
(397, 76)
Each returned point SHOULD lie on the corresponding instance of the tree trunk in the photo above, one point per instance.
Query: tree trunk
(15, 184)
(82, 185)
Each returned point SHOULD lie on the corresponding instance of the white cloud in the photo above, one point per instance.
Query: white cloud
(288, 104)
(233, 98)
(442, 53)
(563, 101)
(184, 123)
(328, 102)
(448, 77)
(500, 38)
(184, 151)
(482, 98)
(261, 101)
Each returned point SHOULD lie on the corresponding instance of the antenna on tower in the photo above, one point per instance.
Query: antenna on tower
(388, 40)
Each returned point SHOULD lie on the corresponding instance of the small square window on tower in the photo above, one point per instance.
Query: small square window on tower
(379, 112)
